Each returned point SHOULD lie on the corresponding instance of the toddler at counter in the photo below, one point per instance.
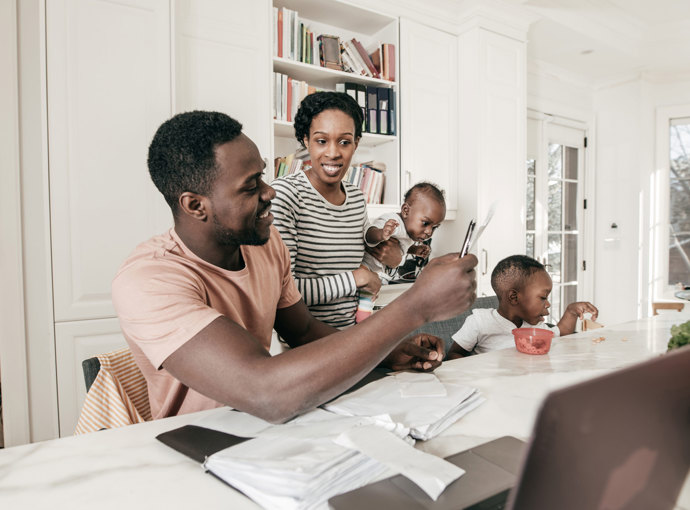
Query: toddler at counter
(522, 286)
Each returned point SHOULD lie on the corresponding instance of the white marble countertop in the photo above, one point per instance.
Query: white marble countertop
(129, 468)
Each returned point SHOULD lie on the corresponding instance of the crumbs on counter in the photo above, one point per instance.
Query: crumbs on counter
(598, 339)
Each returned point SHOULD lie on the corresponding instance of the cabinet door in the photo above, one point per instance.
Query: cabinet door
(223, 62)
(75, 342)
(428, 97)
(108, 67)
(501, 172)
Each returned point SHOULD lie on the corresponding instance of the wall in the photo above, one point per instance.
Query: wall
(625, 161)
(619, 146)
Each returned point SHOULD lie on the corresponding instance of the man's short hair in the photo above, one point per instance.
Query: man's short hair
(512, 273)
(182, 155)
(425, 188)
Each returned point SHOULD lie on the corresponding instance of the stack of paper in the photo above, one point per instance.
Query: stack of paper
(293, 473)
(302, 465)
(417, 401)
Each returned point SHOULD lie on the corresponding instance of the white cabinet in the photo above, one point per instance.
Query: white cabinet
(108, 75)
(222, 62)
(429, 102)
(492, 116)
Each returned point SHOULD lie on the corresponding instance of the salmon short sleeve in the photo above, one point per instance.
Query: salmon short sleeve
(164, 295)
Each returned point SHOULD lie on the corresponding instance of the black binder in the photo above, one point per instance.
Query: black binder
(197, 442)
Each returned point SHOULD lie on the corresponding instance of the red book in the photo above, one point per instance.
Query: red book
(389, 61)
(280, 32)
(365, 57)
(376, 60)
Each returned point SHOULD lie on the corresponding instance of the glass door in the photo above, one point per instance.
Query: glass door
(555, 207)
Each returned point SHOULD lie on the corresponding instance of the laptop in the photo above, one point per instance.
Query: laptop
(619, 441)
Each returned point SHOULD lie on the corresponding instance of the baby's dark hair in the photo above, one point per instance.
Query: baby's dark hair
(182, 155)
(318, 102)
(428, 189)
(512, 273)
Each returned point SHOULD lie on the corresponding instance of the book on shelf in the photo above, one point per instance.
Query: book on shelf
(388, 55)
(288, 95)
(369, 178)
(365, 58)
(360, 67)
(292, 163)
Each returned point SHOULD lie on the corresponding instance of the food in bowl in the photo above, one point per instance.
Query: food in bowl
(533, 340)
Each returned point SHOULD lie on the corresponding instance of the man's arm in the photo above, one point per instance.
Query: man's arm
(297, 326)
(225, 363)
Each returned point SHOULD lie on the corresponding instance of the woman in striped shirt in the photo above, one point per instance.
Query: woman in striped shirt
(322, 219)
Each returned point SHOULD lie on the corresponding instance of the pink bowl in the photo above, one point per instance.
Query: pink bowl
(533, 340)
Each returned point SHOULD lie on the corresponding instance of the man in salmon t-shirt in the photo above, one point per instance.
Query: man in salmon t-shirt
(197, 304)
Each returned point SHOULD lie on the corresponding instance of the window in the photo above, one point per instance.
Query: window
(679, 202)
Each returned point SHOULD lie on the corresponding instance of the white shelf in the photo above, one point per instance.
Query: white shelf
(287, 130)
(322, 76)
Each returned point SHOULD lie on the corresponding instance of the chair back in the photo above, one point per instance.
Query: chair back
(445, 329)
(90, 367)
(117, 396)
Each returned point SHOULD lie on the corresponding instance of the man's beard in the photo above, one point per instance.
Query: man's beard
(227, 237)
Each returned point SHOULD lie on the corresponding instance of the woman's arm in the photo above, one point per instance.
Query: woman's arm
(286, 208)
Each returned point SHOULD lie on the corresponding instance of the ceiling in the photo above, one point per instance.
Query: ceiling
(605, 41)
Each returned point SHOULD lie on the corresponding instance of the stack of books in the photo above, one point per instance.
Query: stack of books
(378, 64)
(294, 40)
(369, 178)
(295, 162)
(289, 93)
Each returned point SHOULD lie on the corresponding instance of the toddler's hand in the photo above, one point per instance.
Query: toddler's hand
(580, 308)
(388, 229)
(420, 250)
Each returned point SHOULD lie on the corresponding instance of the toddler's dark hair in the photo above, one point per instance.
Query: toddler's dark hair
(426, 188)
(512, 273)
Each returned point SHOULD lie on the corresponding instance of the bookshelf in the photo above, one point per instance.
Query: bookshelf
(371, 28)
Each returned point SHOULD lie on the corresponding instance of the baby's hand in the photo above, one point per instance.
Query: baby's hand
(419, 250)
(388, 229)
(579, 309)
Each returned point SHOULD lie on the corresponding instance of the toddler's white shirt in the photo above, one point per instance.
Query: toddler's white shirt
(487, 330)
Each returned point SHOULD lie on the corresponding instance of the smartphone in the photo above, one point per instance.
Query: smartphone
(468, 239)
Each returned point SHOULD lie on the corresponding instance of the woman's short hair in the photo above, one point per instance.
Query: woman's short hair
(315, 103)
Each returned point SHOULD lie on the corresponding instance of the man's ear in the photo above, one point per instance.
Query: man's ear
(405, 210)
(193, 205)
(512, 296)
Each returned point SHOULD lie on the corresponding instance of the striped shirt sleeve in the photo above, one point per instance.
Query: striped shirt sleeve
(325, 243)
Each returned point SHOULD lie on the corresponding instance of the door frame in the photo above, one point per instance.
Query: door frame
(586, 191)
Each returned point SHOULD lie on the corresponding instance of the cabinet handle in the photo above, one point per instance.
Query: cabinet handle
(408, 177)
(485, 261)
